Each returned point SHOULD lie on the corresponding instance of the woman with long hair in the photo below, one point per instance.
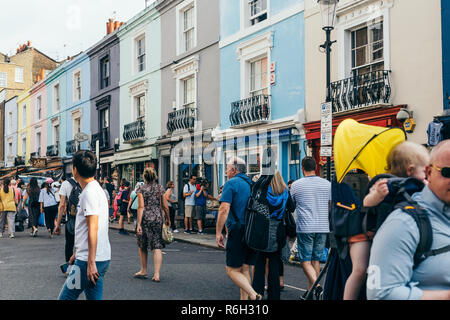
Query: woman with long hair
(31, 199)
(49, 206)
(171, 199)
(152, 212)
(280, 202)
(8, 208)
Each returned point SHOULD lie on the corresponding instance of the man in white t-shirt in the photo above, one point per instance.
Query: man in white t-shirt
(92, 248)
(189, 203)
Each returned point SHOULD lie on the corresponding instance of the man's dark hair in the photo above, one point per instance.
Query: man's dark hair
(86, 163)
(290, 182)
(309, 164)
(192, 175)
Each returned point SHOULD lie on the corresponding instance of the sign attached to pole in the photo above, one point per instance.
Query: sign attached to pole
(326, 151)
(326, 125)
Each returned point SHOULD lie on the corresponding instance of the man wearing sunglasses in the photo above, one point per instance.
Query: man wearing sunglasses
(391, 272)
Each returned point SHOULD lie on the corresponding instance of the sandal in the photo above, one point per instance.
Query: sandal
(154, 280)
(140, 276)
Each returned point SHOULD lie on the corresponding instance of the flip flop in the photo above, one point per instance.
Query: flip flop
(154, 280)
(140, 276)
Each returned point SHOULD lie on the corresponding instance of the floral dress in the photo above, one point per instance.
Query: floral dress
(152, 218)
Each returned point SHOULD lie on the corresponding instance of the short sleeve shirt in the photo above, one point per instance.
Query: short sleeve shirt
(66, 189)
(236, 192)
(48, 198)
(92, 202)
(190, 201)
(200, 200)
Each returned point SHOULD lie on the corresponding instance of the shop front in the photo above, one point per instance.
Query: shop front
(130, 165)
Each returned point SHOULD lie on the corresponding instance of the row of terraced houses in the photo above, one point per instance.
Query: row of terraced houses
(185, 84)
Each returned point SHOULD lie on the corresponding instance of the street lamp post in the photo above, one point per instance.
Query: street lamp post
(328, 12)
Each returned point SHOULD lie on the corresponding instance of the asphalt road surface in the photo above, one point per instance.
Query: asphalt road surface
(29, 270)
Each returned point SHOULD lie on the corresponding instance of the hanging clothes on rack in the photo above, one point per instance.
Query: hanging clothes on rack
(434, 132)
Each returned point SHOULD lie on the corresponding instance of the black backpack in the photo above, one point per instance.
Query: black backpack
(72, 204)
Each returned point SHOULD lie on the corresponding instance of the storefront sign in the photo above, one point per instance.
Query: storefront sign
(39, 162)
(138, 155)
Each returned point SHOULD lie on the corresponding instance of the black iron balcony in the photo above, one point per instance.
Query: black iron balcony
(134, 132)
(361, 91)
(182, 119)
(250, 111)
(102, 137)
(19, 161)
(71, 147)
(53, 151)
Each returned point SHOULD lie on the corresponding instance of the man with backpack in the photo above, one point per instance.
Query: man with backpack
(239, 256)
(412, 263)
(69, 196)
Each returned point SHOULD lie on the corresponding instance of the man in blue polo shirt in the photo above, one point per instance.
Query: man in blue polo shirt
(239, 257)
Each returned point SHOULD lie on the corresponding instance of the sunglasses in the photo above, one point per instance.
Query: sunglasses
(445, 172)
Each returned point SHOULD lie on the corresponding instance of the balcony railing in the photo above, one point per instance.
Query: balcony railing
(53, 151)
(102, 137)
(182, 119)
(134, 132)
(250, 111)
(361, 91)
(71, 147)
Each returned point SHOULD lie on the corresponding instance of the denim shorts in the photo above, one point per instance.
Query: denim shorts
(310, 246)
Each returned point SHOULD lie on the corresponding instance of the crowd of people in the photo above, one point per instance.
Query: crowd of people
(89, 205)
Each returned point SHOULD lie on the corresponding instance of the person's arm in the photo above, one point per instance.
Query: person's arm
(92, 224)
(25, 197)
(222, 217)
(140, 212)
(61, 210)
(376, 194)
(186, 192)
(199, 193)
(392, 259)
(129, 204)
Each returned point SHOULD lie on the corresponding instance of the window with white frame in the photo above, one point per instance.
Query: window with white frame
(3, 79)
(259, 81)
(104, 72)
(76, 125)
(189, 92)
(24, 147)
(39, 107)
(77, 86)
(189, 28)
(139, 106)
(24, 116)
(56, 95)
(140, 53)
(38, 143)
(367, 47)
(56, 135)
(257, 11)
(104, 118)
(19, 74)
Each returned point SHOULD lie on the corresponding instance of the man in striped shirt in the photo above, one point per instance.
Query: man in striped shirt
(312, 196)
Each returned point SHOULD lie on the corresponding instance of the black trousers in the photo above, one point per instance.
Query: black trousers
(172, 217)
(50, 216)
(273, 286)
(70, 242)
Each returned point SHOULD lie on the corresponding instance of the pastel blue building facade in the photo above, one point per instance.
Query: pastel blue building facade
(10, 131)
(68, 109)
(262, 85)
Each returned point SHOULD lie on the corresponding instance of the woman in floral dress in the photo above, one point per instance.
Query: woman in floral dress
(152, 213)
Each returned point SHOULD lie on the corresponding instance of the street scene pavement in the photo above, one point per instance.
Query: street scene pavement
(29, 268)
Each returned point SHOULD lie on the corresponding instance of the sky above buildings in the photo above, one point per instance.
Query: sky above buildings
(60, 28)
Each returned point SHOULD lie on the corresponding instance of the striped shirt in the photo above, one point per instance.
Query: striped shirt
(312, 195)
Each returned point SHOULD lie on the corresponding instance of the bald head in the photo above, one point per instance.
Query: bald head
(440, 158)
(442, 150)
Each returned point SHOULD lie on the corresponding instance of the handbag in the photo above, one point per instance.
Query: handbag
(167, 234)
(41, 220)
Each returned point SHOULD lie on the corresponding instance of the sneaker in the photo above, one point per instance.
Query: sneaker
(175, 231)
(318, 293)
(201, 232)
(192, 231)
(11, 236)
(187, 231)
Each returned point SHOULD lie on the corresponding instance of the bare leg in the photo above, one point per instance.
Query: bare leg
(120, 222)
(316, 266)
(199, 224)
(310, 273)
(241, 277)
(359, 253)
(157, 262)
(143, 254)
(186, 227)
